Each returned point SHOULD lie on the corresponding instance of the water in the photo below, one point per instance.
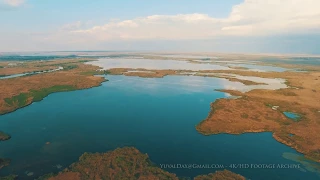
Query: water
(269, 83)
(28, 74)
(260, 68)
(187, 56)
(151, 64)
(13, 76)
(109, 63)
(233, 61)
(158, 116)
(292, 116)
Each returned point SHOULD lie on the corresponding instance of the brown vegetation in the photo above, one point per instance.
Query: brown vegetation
(122, 163)
(253, 113)
(125, 163)
(4, 136)
(19, 92)
(221, 175)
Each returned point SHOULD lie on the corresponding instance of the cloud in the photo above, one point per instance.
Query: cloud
(13, 3)
(250, 18)
(72, 26)
(283, 26)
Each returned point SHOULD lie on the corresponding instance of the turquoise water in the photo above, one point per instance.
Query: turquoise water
(158, 116)
(292, 116)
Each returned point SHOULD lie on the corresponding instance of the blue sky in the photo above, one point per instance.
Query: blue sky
(39, 15)
(288, 26)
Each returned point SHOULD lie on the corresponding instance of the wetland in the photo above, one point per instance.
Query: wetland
(55, 117)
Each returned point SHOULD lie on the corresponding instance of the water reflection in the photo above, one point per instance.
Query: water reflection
(307, 164)
(189, 84)
(260, 68)
(109, 63)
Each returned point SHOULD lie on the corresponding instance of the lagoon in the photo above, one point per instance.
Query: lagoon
(151, 64)
(260, 68)
(158, 116)
(293, 116)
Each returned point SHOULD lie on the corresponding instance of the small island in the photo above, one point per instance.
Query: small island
(4, 162)
(124, 163)
(4, 136)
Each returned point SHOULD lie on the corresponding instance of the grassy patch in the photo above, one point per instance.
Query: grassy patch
(69, 67)
(269, 105)
(287, 83)
(286, 93)
(21, 100)
(314, 155)
(92, 73)
(119, 159)
(4, 162)
(56, 64)
(38, 95)
(244, 115)
(4, 136)
(83, 61)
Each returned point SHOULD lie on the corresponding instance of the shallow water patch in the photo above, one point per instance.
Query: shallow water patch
(151, 64)
(293, 116)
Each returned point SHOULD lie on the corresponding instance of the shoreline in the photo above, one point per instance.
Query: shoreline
(121, 163)
(251, 113)
(79, 77)
(255, 96)
(4, 113)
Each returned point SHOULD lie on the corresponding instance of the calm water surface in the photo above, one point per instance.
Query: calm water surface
(158, 116)
(108, 63)
(292, 116)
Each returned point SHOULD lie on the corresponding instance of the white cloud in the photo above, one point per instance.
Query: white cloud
(251, 18)
(71, 26)
(14, 3)
(252, 26)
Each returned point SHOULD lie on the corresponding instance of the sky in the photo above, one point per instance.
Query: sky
(248, 26)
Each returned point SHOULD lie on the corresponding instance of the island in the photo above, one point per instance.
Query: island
(4, 162)
(4, 136)
(258, 110)
(124, 163)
